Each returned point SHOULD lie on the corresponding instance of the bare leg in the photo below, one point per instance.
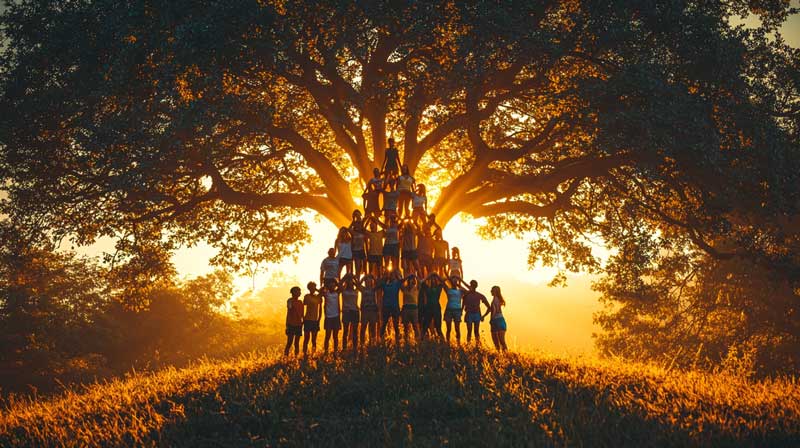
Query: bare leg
(449, 324)
(477, 333)
(296, 345)
(305, 342)
(501, 335)
(314, 341)
(327, 340)
(496, 340)
(288, 345)
(335, 341)
(458, 331)
(345, 334)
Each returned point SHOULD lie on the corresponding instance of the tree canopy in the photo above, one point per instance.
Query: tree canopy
(657, 128)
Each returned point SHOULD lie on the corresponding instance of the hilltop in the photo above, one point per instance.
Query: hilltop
(426, 395)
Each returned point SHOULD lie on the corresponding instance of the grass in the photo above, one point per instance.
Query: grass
(426, 395)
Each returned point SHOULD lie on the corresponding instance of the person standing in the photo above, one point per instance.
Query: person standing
(350, 315)
(419, 205)
(371, 198)
(405, 189)
(359, 246)
(389, 288)
(497, 321)
(440, 250)
(369, 309)
(329, 269)
(344, 250)
(425, 253)
(410, 311)
(313, 304)
(452, 311)
(330, 292)
(454, 264)
(390, 197)
(391, 245)
(472, 307)
(391, 163)
(294, 321)
(430, 291)
(374, 247)
(408, 244)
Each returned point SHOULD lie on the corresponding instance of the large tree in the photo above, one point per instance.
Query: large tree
(181, 121)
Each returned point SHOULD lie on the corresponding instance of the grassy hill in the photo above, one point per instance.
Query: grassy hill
(427, 395)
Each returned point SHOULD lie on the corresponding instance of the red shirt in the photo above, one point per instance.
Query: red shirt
(472, 301)
(294, 312)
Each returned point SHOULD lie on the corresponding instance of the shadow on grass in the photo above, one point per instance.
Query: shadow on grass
(429, 395)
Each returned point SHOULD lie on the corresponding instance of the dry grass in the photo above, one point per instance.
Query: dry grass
(428, 395)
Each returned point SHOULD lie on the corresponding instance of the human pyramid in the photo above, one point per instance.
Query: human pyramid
(394, 246)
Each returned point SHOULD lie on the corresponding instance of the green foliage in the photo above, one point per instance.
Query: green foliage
(423, 395)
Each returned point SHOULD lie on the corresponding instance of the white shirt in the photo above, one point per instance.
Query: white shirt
(330, 267)
(331, 304)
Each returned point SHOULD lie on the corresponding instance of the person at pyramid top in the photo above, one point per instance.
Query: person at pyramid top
(391, 163)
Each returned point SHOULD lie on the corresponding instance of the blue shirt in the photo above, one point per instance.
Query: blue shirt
(391, 293)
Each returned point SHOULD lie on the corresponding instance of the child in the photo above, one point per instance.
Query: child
(390, 197)
(430, 290)
(452, 311)
(454, 264)
(440, 251)
(350, 315)
(344, 246)
(332, 310)
(375, 246)
(294, 321)
(497, 321)
(389, 288)
(472, 306)
(369, 308)
(419, 205)
(359, 246)
(405, 189)
(409, 245)
(391, 164)
(410, 311)
(329, 269)
(313, 304)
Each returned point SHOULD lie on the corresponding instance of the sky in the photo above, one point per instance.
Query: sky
(557, 320)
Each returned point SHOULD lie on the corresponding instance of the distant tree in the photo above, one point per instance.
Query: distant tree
(168, 123)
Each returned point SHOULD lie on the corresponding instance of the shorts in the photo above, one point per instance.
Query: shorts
(372, 258)
(359, 255)
(391, 312)
(332, 323)
(404, 195)
(498, 324)
(369, 316)
(425, 258)
(432, 318)
(350, 316)
(439, 261)
(310, 325)
(294, 330)
(452, 314)
(409, 255)
(473, 318)
(391, 250)
(343, 261)
(410, 315)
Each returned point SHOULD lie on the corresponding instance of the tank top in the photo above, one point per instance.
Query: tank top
(418, 201)
(455, 266)
(495, 308)
(368, 302)
(391, 235)
(345, 249)
(404, 183)
(453, 299)
(358, 241)
(331, 304)
(350, 300)
(411, 297)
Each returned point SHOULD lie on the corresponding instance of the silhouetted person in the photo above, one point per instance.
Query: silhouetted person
(419, 205)
(294, 321)
(332, 311)
(359, 245)
(344, 251)
(410, 311)
(374, 246)
(454, 307)
(390, 286)
(472, 306)
(405, 189)
(329, 269)
(440, 251)
(408, 244)
(497, 321)
(454, 265)
(313, 304)
(369, 308)
(430, 291)
(350, 314)
(391, 164)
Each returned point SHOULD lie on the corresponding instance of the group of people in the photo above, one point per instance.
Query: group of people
(366, 263)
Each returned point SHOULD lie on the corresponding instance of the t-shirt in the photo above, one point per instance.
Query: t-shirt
(331, 304)
(392, 235)
(330, 267)
(411, 296)
(358, 241)
(431, 295)
(472, 301)
(350, 300)
(375, 242)
(368, 302)
(312, 301)
(454, 298)
(345, 250)
(440, 248)
(371, 202)
(405, 182)
(294, 312)
(390, 200)
(391, 293)
(424, 245)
